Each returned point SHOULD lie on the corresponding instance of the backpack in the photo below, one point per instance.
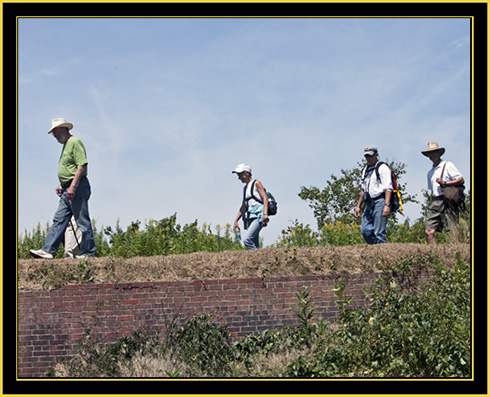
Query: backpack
(454, 195)
(396, 198)
(272, 203)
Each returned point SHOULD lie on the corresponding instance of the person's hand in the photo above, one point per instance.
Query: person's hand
(386, 211)
(70, 193)
(59, 191)
(265, 221)
(357, 212)
(235, 225)
(440, 181)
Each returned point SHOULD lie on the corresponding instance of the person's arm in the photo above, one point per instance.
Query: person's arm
(456, 182)
(386, 208)
(265, 201)
(387, 185)
(357, 211)
(70, 193)
(239, 215)
(452, 174)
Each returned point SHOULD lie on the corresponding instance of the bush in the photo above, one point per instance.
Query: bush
(163, 237)
(202, 345)
(166, 237)
(339, 234)
(410, 328)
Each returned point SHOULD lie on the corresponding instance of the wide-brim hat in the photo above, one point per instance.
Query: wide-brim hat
(433, 147)
(242, 167)
(59, 123)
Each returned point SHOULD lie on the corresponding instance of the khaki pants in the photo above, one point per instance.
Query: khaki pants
(440, 217)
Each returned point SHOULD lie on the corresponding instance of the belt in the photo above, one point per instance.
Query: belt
(67, 184)
(382, 195)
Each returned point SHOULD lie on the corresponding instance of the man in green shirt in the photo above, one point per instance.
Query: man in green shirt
(74, 192)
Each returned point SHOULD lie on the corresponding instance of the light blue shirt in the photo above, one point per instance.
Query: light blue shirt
(256, 212)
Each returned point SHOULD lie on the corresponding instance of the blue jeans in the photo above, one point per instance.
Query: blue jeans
(252, 240)
(78, 207)
(373, 226)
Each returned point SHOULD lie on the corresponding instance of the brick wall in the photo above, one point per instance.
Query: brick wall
(51, 323)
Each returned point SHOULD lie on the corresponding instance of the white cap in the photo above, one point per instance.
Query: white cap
(242, 167)
(370, 150)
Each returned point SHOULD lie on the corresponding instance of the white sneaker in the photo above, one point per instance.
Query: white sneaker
(41, 254)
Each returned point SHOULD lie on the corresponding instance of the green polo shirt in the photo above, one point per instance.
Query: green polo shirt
(72, 156)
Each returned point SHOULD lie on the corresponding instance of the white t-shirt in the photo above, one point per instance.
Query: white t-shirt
(373, 186)
(450, 174)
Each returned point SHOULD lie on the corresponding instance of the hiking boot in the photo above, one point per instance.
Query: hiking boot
(41, 254)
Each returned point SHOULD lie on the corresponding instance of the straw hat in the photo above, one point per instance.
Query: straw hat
(59, 123)
(433, 147)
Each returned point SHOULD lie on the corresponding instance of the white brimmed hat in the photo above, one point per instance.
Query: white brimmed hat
(433, 147)
(242, 167)
(59, 123)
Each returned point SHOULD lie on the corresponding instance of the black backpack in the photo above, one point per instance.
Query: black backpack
(396, 198)
(272, 208)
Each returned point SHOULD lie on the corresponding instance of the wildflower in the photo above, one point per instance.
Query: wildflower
(371, 320)
(387, 304)
(411, 325)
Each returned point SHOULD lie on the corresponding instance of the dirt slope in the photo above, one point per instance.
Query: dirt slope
(38, 273)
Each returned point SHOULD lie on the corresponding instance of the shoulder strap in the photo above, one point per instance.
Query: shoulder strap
(251, 193)
(363, 175)
(379, 164)
(443, 169)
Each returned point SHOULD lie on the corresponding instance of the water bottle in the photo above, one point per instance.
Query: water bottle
(238, 235)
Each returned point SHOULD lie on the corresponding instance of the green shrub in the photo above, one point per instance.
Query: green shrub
(411, 327)
(201, 344)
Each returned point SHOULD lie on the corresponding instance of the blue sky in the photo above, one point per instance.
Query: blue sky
(168, 107)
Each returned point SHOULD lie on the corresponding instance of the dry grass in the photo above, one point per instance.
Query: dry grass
(163, 365)
(35, 274)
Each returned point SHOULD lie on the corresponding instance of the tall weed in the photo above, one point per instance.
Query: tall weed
(340, 234)
(163, 237)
